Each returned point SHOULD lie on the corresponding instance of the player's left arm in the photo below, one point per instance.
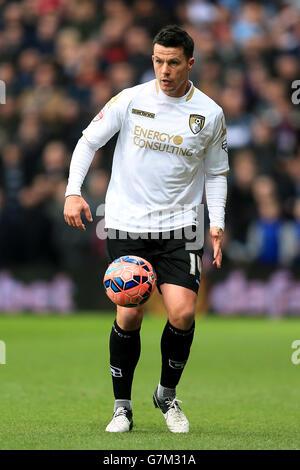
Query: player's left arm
(216, 168)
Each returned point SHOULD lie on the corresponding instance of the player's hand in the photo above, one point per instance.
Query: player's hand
(74, 206)
(216, 234)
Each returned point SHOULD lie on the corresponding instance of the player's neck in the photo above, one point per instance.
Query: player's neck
(181, 91)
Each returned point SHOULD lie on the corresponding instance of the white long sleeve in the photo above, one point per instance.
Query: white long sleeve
(82, 158)
(107, 122)
(216, 194)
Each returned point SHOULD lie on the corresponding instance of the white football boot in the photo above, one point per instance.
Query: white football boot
(121, 420)
(174, 416)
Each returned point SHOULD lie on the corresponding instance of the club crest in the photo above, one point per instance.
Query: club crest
(196, 122)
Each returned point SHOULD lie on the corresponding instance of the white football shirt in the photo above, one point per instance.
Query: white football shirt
(164, 148)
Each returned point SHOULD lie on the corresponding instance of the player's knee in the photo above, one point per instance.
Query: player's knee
(182, 319)
(187, 318)
(130, 318)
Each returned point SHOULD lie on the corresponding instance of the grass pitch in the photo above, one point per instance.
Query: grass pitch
(240, 389)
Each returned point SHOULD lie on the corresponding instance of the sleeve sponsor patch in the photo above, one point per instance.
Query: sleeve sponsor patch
(224, 145)
(99, 116)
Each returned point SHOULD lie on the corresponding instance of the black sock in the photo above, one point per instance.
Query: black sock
(125, 348)
(175, 350)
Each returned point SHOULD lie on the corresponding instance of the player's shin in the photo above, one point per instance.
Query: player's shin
(125, 348)
(175, 350)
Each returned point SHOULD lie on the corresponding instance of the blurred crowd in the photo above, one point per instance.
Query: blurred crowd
(62, 60)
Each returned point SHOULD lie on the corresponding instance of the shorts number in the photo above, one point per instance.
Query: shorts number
(193, 264)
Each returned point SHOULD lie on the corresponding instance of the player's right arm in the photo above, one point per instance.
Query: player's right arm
(99, 131)
(74, 206)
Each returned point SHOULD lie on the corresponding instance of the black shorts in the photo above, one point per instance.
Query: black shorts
(170, 258)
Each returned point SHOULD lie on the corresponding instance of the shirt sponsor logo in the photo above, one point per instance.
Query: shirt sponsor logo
(196, 123)
(178, 140)
(143, 113)
(160, 141)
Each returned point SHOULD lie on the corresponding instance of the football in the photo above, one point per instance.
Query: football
(129, 281)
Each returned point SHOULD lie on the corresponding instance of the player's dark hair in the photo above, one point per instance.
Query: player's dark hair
(174, 36)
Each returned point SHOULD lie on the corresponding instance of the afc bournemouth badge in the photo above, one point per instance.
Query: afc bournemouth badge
(196, 122)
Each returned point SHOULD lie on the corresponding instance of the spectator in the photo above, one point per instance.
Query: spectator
(55, 161)
(264, 241)
(62, 61)
(264, 146)
(237, 119)
(138, 49)
(240, 195)
(291, 238)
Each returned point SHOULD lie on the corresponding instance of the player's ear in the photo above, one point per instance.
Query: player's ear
(191, 62)
(153, 58)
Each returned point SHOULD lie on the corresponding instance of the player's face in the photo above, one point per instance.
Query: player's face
(171, 68)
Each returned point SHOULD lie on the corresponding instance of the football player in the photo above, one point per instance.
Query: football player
(172, 142)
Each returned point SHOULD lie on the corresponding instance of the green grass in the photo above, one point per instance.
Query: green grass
(240, 389)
